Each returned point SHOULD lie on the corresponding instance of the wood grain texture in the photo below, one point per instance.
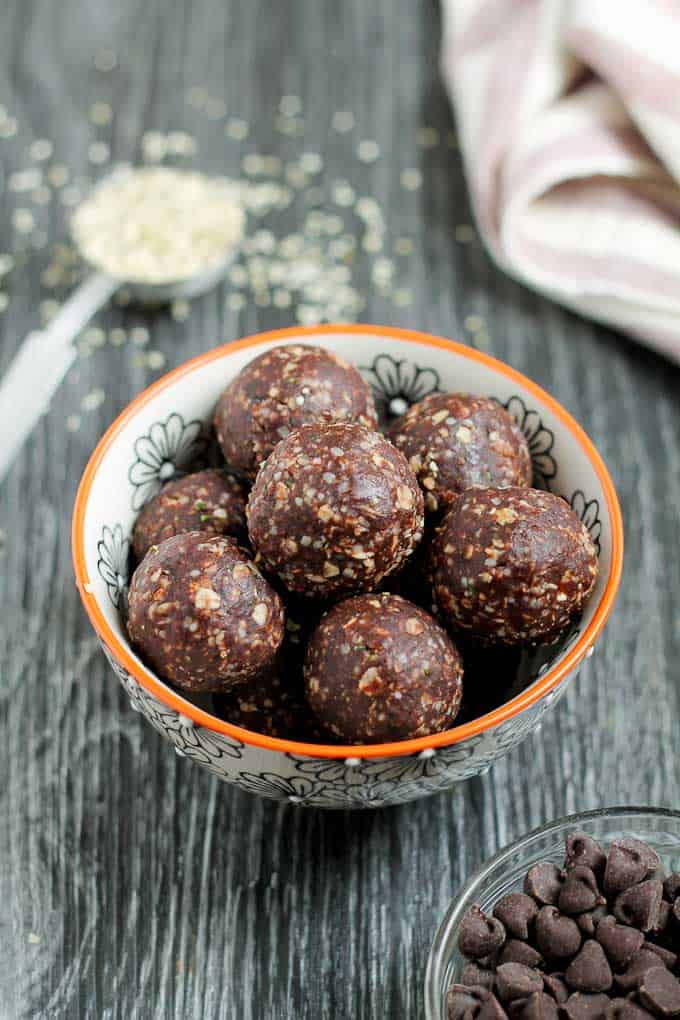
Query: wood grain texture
(132, 884)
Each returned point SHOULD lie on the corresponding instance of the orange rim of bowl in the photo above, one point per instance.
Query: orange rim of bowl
(514, 707)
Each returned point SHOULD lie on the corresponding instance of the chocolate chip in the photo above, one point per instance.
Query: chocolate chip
(582, 849)
(479, 934)
(662, 918)
(581, 1006)
(478, 1003)
(639, 905)
(643, 961)
(629, 861)
(539, 1006)
(516, 911)
(671, 886)
(557, 936)
(463, 1003)
(516, 981)
(624, 1009)
(579, 892)
(589, 971)
(516, 951)
(660, 992)
(589, 921)
(543, 883)
(555, 987)
(474, 976)
(619, 942)
(667, 957)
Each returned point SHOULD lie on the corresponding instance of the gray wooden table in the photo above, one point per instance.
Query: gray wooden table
(132, 884)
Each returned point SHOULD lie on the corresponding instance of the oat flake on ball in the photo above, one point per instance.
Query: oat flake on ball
(279, 391)
(212, 501)
(512, 566)
(379, 668)
(334, 509)
(202, 615)
(454, 441)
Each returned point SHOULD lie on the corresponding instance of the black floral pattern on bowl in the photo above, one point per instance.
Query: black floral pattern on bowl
(541, 441)
(113, 563)
(397, 383)
(167, 450)
(296, 789)
(588, 510)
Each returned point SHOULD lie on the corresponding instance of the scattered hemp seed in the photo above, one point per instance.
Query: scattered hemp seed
(8, 127)
(464, 233)
(237, 129)
(140, 336)
(180, 310)
(411, 179)
(105, 60)
(117, 337)
(342, 121)
(40, 150)
(368, 151)
(155, 359)
(94, 399)
(100, 114)
(48, 309)
(98, 153)
(23, 221)
(428, 137)
(474, 323)
(290, 106)
(73, 422)
(403, 246)
(58, 175)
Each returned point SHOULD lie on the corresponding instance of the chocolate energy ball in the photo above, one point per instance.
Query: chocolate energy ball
(379, 668)
(454, 441)
(212, 501)
(201, 614)
(270, 704)
(512, 566)
(282, 389)
(334, 510)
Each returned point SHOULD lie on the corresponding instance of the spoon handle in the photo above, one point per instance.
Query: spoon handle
(41, 363)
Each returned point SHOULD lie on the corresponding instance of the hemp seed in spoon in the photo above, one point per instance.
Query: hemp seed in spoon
(157, 225)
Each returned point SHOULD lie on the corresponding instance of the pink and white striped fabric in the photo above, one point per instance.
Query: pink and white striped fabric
(569, 123)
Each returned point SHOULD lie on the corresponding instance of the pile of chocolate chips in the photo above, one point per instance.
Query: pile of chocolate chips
(598, 939)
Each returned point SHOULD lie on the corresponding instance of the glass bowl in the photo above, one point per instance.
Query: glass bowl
(505, 872)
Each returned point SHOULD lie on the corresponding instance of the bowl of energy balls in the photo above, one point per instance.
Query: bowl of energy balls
(578, 920)
(346, 566)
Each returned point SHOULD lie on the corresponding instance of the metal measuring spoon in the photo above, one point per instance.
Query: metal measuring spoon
(46, 355)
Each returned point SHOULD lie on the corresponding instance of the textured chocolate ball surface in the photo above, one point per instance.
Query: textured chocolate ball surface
(334, 510)
(202, 615)
(211, 501)
(272, 704)
(513, 566)
(454, 441)
(379, 668)
(279, 391)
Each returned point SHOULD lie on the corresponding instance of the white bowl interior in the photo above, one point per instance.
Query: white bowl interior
(168, 429)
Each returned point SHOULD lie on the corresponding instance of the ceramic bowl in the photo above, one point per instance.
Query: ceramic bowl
(166, 428)
(505, 872)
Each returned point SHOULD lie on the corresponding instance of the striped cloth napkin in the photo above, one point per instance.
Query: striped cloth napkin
(569, 123)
